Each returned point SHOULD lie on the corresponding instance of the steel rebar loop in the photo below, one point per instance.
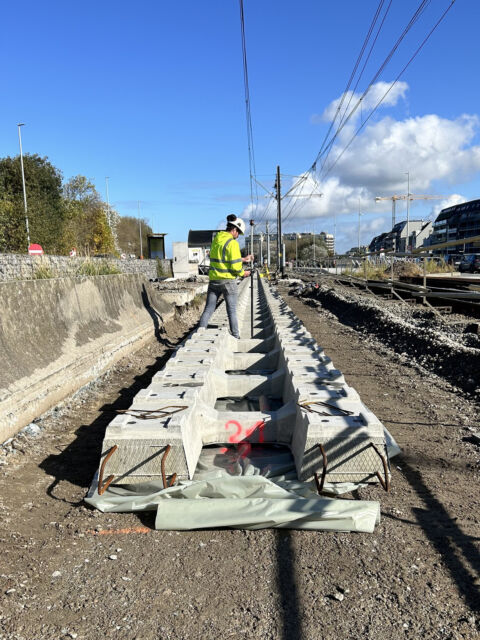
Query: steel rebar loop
(102, 487)
(385, 483)
(321, 482)
(162, 466)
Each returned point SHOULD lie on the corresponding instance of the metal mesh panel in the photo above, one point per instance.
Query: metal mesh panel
(349, 460)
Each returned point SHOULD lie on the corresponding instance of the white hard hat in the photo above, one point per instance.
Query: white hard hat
(239, 223)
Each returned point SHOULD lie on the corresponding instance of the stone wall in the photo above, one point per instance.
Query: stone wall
(58, 334)
(24, 267)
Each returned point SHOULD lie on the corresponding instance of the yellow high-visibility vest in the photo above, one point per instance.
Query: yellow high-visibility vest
(225, 258)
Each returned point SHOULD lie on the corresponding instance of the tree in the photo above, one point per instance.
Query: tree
(13, 234)
(306, 253)
(86, 226)
(46, 210)
(128, 234)
(305, 248)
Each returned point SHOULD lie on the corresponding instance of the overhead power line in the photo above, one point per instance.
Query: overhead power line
(248, 114)
(352, 75)
(372, 81)
(417, 51)
(327, 147)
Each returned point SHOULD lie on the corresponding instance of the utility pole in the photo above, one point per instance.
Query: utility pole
(278, 197)
(140, 225)
(21, 124)
(251, 242)
(296, 250)
(268, 244)
(251, 281)
(280, 266)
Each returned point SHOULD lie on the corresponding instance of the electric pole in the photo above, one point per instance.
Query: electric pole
(251, 280)
(280, 266)
(268, 244)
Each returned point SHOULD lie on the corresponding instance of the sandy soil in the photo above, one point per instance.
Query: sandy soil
(67, 571)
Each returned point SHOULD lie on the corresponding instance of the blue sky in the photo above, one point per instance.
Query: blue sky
(151, 95)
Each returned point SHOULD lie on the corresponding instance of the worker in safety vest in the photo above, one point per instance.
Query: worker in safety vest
(225, 267)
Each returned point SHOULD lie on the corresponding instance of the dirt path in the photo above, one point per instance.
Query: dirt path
(69, 572)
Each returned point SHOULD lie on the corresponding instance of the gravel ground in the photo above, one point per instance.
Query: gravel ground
(67, 571)
(445, 345)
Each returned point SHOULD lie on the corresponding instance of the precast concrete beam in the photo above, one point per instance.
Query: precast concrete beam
(318, 407)
(338, 420)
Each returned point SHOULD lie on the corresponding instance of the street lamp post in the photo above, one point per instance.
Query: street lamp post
(21, 124)
(140, 230)
(359, 214)
(334, 231)
(108, 202)
(313, 245)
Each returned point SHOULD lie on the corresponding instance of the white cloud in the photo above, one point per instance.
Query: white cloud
(373, 97)
(433, 149)
(429, 147)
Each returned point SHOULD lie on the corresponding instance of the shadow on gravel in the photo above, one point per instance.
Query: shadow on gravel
(287, 587)
(459, 553)
(79, 461)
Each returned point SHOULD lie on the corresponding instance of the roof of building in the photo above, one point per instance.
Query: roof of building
(464, 210)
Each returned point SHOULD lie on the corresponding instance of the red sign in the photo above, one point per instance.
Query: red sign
(35, 250)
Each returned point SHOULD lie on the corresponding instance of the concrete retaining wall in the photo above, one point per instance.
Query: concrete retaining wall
(56, 335)
(23, 267)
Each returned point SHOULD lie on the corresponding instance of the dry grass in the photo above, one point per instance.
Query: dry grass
(400, 269)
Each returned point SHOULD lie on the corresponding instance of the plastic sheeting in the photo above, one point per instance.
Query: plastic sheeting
(242, 487)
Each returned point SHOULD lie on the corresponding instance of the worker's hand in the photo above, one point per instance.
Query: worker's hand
(248, 258)
(246, 274)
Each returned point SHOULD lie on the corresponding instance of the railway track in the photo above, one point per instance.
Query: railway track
(443, 295)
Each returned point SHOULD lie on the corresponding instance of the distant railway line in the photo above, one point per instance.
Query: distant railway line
(443, 294)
